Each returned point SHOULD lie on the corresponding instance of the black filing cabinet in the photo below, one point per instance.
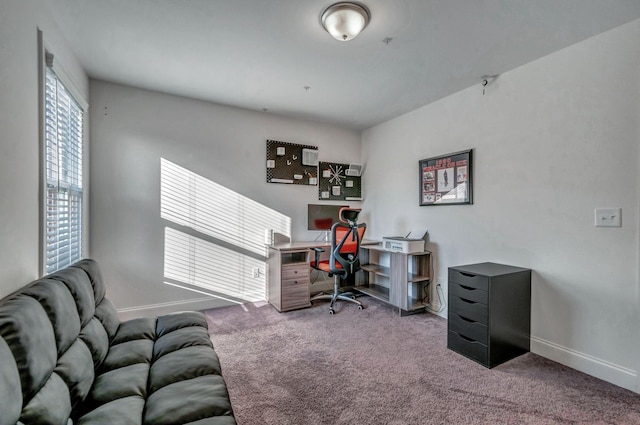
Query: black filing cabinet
(489, 312)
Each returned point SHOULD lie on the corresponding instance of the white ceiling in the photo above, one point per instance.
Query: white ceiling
(259, 54)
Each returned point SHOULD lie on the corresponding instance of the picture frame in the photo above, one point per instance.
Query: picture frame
(446, 179)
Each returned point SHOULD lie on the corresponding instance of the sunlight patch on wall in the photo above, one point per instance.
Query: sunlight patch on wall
(215, 237)
(191, 200)
(196, 262)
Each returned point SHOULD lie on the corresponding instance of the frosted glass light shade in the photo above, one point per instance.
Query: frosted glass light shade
(344, 21)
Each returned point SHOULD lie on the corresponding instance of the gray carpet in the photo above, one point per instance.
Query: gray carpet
(374, 367)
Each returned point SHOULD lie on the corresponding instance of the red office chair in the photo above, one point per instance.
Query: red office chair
(343, 262)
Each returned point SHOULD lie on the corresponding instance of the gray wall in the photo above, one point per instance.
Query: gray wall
(553, 140)
(132, 132)
(19, 136)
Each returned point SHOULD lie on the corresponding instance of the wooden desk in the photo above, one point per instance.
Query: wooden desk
(289, 285)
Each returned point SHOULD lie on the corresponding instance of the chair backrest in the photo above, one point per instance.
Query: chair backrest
(346, 236)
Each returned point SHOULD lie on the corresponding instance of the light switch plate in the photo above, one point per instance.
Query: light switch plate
(608, 217)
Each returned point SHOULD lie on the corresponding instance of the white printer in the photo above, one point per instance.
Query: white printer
(410, 244)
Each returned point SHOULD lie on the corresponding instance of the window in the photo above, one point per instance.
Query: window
(63, 185)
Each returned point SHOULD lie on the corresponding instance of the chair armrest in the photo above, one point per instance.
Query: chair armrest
(318, 251)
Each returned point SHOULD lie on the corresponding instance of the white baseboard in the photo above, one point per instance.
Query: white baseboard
(152, 310)
(601, 369)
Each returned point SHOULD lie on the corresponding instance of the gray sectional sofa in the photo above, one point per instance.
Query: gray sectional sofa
(65, 358)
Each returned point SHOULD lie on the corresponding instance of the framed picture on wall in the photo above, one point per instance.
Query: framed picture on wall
(446, 179)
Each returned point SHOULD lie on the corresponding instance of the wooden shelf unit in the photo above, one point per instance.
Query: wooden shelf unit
(394, 277)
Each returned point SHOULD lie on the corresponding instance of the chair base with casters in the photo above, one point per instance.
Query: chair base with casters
(337, 295)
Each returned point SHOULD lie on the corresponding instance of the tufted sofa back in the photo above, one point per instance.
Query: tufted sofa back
(54, 334)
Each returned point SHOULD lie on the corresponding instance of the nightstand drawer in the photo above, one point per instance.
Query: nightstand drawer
(470, 309)
(469, 279)
(469, 293)
(469, 328)
(468, 347)
(295, 271)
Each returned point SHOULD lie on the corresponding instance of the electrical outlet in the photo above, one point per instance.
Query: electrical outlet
(608, 217)
(255, 272)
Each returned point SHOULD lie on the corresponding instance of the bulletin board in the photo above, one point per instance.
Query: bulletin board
(291, 163)
(335, 184)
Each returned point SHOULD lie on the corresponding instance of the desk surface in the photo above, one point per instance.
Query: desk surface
(297, 245)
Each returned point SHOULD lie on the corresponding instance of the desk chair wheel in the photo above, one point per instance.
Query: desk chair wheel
(360, 307)
(332, 311)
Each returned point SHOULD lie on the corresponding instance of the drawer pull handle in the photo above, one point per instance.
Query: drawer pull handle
(467, 320)
(468, 274)
(467, 338)
(467, 301)
(468, 288)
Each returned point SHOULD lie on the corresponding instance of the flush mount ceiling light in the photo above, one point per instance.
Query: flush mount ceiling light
(345, 20)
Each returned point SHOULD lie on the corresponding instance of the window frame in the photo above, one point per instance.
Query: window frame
(78, 185)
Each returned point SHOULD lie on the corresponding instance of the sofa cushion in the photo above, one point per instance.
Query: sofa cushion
(181, 365)
(97, 340)
(77, 370)
(108, 316)
(104, 309)
(120, 383)
(61, 308)
(142, 328)
(80, 287)
(207, 397)
(123, 411)
(26, 329)
(10, 394)
(92, 270)
(171, 322)
(50, 405)
(181, 338)
(214, 420)
(128, 353)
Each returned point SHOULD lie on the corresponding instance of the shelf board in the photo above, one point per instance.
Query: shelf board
(415, 304)
(377, 269)
(376, 291)
(417, 278)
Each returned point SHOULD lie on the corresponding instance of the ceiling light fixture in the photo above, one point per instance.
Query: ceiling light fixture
(345, 20)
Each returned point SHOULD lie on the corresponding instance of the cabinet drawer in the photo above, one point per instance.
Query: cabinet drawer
(469, 293)
(470, 309)
(469, 279)
(302, 281)
(467, 347)
(295, 271)
(295, 297)
(467, 327)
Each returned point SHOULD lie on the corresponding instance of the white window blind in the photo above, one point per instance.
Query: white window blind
(63, 128)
